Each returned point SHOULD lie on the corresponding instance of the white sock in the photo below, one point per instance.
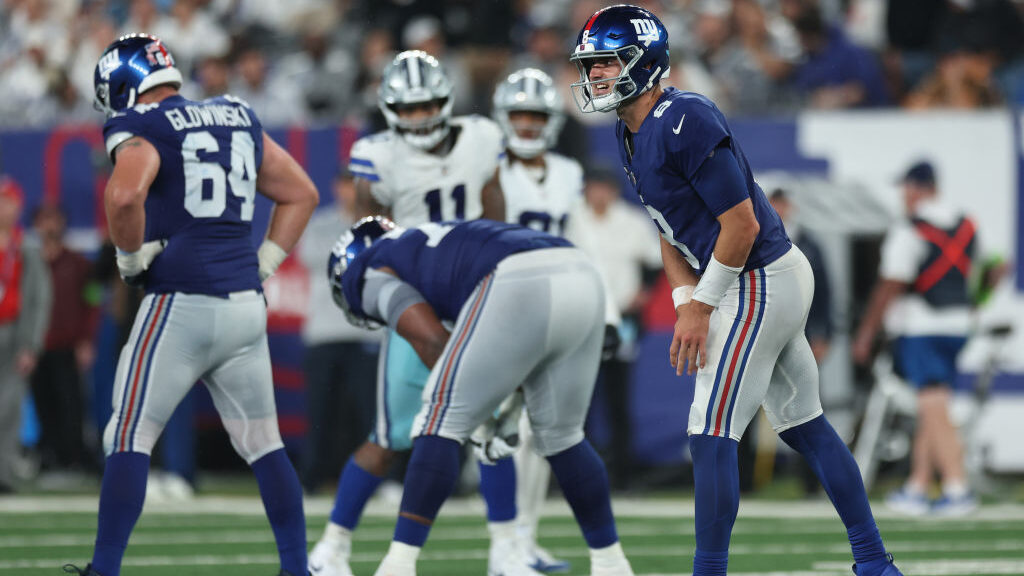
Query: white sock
(914, 489)
(338, 537)
(609, 555)
(403, 553)
(955, 488)
(502, 531)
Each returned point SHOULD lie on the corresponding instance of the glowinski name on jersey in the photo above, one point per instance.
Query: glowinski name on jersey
(208, 114)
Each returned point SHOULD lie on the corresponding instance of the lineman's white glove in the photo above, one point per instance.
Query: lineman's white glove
(498, 437)
(133, 265)
(270, 256)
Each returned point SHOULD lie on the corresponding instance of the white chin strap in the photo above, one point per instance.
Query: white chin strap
(527, 147)
(429, 140)
(607, 102)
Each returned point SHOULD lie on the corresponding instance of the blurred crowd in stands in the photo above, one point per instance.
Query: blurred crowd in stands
(308, 62)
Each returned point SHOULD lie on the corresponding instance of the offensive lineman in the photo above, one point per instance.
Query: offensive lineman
(528, 310)
(180, 205)
(737, 281)
(427, 167)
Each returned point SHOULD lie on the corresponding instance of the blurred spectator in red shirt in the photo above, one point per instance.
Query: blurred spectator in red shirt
(68, 349)
(24, 313)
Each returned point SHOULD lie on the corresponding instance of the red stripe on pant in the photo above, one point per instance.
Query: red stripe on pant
(456, 350)
(139, 361)
(736, 354)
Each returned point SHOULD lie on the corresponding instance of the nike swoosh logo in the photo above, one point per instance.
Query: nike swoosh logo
(315, 569)
(680, 126)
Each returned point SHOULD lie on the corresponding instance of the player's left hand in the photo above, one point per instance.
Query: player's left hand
(690, 337)
(133, 265)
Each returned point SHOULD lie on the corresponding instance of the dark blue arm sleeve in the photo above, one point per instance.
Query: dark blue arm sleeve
(719, 181)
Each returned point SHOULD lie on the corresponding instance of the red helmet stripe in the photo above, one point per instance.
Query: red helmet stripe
(594, 17)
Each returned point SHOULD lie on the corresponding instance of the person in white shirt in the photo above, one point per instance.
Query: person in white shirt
(922, 299)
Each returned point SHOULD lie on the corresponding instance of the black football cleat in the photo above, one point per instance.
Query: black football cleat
(87, 571)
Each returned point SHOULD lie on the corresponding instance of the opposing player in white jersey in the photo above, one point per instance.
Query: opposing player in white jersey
(542, 190)
(427, 167)
(180, 204)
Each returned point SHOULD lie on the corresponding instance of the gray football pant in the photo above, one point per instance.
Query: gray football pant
(537, 321)
(757, 353)
(178, 339)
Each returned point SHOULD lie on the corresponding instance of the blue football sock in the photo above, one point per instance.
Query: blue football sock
(498, 487)
(355, 487)
(835, 467)
(584, 483)
(121, 498)
(282, 499)
(716, 495)
(429, 480)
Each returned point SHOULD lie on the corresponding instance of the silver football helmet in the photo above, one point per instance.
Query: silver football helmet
(415, 77)
(531, 90)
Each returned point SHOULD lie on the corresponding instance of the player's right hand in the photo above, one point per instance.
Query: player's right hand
(133, 265)
(690, 337)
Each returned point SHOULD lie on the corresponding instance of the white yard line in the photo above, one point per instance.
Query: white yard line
(936, 568)
(473, 506)
(948, 567)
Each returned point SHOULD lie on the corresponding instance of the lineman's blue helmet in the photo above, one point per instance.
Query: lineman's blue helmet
(128, 67)
(352, 243)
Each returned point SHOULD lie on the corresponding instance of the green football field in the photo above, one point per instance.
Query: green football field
(227, 536)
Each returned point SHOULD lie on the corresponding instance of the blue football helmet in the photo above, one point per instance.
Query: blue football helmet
(128, 67)
(633, 36)
(352, 243)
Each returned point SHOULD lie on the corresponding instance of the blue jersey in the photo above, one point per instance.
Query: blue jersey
(203, 196)
(661, 159)
(444, 261)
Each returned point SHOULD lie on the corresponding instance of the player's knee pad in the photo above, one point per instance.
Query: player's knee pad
(552, 440)
(254, 438)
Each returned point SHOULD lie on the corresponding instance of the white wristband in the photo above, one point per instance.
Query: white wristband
(682, 295)
(270, 256)
(716, 279)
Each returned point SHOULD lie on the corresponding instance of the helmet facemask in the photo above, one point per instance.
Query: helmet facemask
(526, 137)
(422, 133)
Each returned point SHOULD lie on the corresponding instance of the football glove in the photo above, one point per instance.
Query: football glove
(133, 265)
(611, 342)
(270, 256)
(498, 437)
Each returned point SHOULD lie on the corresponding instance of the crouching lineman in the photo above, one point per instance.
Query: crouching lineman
(528, 309)
(543, 190)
